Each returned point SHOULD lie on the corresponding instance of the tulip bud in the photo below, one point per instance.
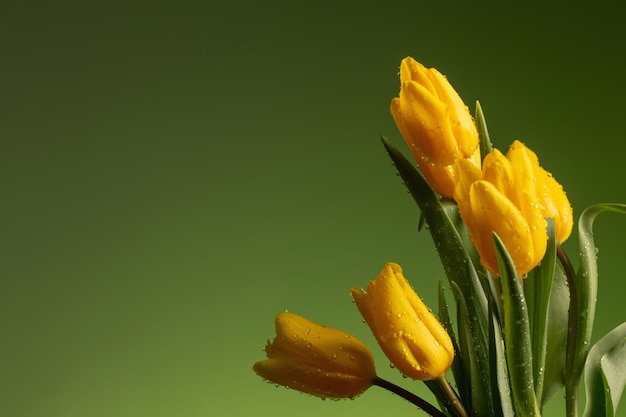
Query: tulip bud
(315, 359)
(431, 116)
(406, 330)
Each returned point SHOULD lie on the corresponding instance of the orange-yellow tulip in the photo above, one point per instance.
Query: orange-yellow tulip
(316, 359)
(407, 331)
(512, 196)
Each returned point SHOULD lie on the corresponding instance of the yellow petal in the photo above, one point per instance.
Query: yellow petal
(461, 121)
(493, 212)
(310, 379)
(411, 70)
(556, 205)
(362, 301)
(428, 127)
(466, 173)
(498, 171)
(526, 171)
(441, 179)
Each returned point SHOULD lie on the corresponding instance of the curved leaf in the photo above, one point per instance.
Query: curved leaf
(584, 292)
(605, 374)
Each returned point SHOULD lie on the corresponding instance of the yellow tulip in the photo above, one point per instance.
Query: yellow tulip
(512, 196)
(316, 359)
(431, 116)
(406, 330)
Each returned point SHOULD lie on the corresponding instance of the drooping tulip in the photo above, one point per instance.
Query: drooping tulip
(316, 359)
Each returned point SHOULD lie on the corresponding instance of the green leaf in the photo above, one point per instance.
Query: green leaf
(537, 288)
(584, 290)
(605, 374)
(481, 124)
(480, 395)
(457, 263)
(452, 210)
(558, 312)
(458, 367)
(516, 336)
(500, 378)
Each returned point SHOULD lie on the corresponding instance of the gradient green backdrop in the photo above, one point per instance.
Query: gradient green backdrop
(173, 175)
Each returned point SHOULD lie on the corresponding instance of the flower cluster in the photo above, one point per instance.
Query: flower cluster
(497, 221)
(512, 196)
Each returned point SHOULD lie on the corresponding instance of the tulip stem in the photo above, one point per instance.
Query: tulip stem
(452, 397)
(409, 396)
(572, 377)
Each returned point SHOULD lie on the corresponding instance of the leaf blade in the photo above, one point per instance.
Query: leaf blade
(516, 336)
(584, 291)
(605, 374)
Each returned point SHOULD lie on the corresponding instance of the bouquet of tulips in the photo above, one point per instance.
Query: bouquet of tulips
(524, 314)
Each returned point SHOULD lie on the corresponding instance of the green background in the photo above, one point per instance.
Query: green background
(175, 174)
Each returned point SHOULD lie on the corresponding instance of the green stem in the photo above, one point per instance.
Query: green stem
(409, 396)
(452, 397)
(571, 378)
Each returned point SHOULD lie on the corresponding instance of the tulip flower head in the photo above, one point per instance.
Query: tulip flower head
(512, 196)
(435, 124)
(315, 359)
(431, 116)
(407, 331)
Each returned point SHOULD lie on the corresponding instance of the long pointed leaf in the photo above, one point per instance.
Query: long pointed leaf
(479, 399)
(554, 375)
(485, 142)
(499, 378)
(538, 287)
(516, 336)
(458, 366)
